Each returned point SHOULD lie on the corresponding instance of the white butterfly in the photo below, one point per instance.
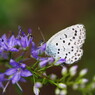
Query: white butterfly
(67, 43)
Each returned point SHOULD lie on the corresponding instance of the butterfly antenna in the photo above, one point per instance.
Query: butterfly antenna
(41, 34)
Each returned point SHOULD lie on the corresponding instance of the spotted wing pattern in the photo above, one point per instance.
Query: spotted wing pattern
(67, 43)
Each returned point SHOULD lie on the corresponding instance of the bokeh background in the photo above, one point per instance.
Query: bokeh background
(51, 16)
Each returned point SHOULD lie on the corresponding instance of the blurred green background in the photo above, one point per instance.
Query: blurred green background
(51, 16)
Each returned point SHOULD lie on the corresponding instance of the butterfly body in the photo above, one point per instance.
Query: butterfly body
(67, 44)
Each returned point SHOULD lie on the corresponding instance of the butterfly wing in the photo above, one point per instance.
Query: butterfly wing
(67, 44)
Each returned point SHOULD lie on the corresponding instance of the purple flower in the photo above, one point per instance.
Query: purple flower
(24, 40)
(49, 60)
(45, 61)
(17, 72)
(60, 61)
(8, 44)
(36, 51)
(2, 78)
(38, 84)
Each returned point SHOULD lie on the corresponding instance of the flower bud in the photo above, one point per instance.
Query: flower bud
(36, 90)
(60, 61)
(44, 73)
(61, 85)
(53, 76)
(83, 72)
(73, 70)
(63, 92)
(83, 81)
(57, 91)
(64, 70)
(38, 84)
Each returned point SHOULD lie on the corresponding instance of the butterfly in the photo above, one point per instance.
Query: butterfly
(67, 43)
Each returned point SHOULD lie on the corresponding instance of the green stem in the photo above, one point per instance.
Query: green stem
(44, 68)
(34, 65)
(41, 75)
(63, 78)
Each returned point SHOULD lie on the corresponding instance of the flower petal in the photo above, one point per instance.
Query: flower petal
(23, 41)
(35, 51)
(2, 77)
(51, 60)
(1, 85)
(43, 63)
(12, 41)
(43, 47)
(13, 63)
(34, 54)
(10, 71)
(4, 38)
(33, 46)
(26, 73)
(60, 61)
(16, 77)
(22, 80)
(23, 65)
(14, 49)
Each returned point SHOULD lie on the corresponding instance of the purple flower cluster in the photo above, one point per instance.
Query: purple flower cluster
(17, 70)
(36, 51)
(14, 44)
